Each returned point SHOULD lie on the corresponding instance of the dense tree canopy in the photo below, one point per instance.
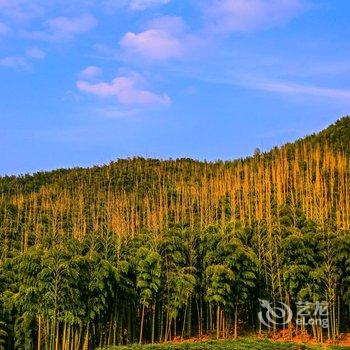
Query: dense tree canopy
(147, 250)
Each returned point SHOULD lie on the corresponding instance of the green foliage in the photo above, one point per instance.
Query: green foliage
(3, 336)
(227, 345)
(337, 135)
(148, 274)
(146, 250)
(219, 279)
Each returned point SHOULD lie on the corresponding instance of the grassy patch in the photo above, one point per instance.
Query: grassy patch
(226, 345)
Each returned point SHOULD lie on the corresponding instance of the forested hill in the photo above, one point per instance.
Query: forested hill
(135, 195)
(337, 136)
(148, 250)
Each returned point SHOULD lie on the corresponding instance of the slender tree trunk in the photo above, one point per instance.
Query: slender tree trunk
(39, 332)
(211, 321)
(153, 322)
(236, 321)
(64, 336)
(49, 333)
(189, 318)
(184, 323)
(68, 337)
(161, 322)
(201, 316)
(218, 322)
(57, 335)
(110, 330)
(86, 340)
(166, 326)
(142, 320)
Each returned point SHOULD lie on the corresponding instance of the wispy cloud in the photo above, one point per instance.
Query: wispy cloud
(63, 28)
(166, 38)
(113, 112)
(126, 90)
(104, 51)
(152, 44)
(299, 89)
(134, 5)
(21, 10)
(90, 72)
(219, 74)
(15, 62)
(143, 4)
(4, 29)
(227, 16)
(35, 53)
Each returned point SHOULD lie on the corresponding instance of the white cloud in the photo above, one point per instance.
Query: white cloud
(14, 62)
(105, 51)
(227, 16)
(4, 29)
(36, 53)
(64, 28)
(166, 38)
(171, 24)
(126, 89)
(27, 10)
(113, 112)
(21, 10)
(90, 72)
(299, 89)
(134, 5)
(152, 44)
(144, 4)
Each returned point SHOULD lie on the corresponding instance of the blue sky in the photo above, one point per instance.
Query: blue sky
(85, 82)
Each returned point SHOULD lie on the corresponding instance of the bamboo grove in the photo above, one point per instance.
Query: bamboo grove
(143, 250)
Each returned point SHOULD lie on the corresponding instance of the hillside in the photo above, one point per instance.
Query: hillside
(337, 135)
(132, 195)
(143, 249)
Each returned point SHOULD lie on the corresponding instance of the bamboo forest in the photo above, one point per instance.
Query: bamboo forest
(149, 251)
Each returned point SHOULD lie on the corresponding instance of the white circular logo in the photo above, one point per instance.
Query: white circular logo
(278, 314)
